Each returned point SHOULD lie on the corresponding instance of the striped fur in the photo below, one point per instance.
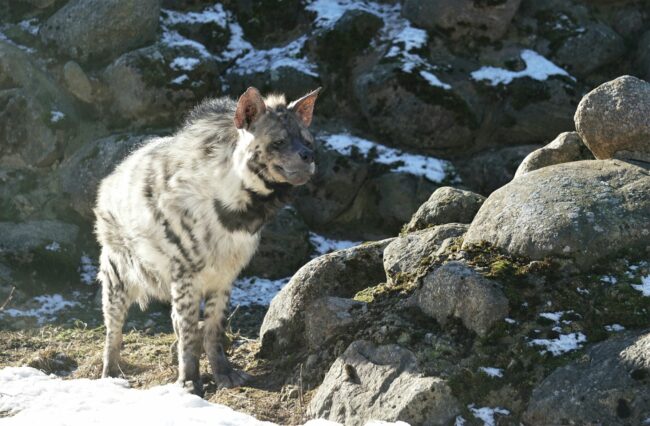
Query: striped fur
(180, 217)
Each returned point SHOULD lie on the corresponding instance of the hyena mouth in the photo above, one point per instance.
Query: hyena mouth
(295, 176)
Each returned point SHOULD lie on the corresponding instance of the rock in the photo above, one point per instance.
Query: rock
(81, 173)
(341, 274)
(595, 46)
(446, 205)
(404, 257)
(610, 381)
(493, 168)
(284, 247)
(77, 81)
(459, 18)
(158, 84)
(456, 290)
(326, 316)
(643, 57)
(565, 148)
(18, 239)
(586, 211)
(381, 383)
(408, 110)
(100, 30)
(614, 119)
(269, 21)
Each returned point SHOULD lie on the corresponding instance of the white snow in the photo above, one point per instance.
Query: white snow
(215, 14)
(433, 80)
(608, 279)
(180, 79)
(32, 397)
(510, 321)
(486, 414)
(48, 305)
(492, 371)
(614, 327)
(323, 245)
(53, 246)
(271, 59)
(30, 25)
(553, 316)
(644, 287)
(185, 64)
(431, 168)
(255, 291)
(537, 68)
(460, 421)
(563, 344)
(56, 116)
(87, 270)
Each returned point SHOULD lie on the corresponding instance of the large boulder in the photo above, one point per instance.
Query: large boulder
(456, 290)
(586, 211)
(607, 385)
(565, 148)
(369, 382)
(342, 274)
(91, 30)
(405, 257)
(327, 316)
(83, 171)
(614, 119)
(446, 205)
(485, 19)
(643, 56)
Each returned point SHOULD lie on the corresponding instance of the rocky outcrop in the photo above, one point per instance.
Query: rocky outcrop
(610, 381)
(101, 29)
(565, 148)
(456, 290)
(614, 119)
(405, 258)
(585, 211)
(325, 317)
(446, 205)
(341, 274)
(383, 383)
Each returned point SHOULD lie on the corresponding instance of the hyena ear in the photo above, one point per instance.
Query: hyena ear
(304, 107)
(250, 107)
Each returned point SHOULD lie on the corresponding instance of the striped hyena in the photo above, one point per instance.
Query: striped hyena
(181, 216)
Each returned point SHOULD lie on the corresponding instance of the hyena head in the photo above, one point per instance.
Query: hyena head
(277, 145)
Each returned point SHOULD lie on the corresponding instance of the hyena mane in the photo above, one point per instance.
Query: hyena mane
(181, 216)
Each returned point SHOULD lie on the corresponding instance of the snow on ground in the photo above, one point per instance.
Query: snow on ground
(257, 61)
(608, 279)
(185, 64)
(32, 397)
(537, 68)
(53, 246)
(56, 116)
(492, 371)
(30, 25)
(614, 327)
(255, 291)
(486, 414)
(87, 270)
(398, 33)
(644, 287)
(431, 168)
(47, 306)
(553, 316)
(323, 245)
(563, 344)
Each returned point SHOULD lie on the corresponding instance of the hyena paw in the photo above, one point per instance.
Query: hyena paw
(231, 379)
(111, 371)
(192, 386)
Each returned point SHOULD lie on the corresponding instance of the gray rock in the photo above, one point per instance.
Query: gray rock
(284, 247)
(342, 274)
(643, 56)
(381, 383)
(90, 30)
(456, 290)
(608, 385)
(77, 81)
(19, 240)
(446, 205)
(565, 148)
(596, 46)
(83, 171)
(463, 17)
(584, 210)
(614, 119)
(404, 256)
(326, 316)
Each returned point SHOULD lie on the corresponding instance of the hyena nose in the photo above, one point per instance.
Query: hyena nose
(307, 155)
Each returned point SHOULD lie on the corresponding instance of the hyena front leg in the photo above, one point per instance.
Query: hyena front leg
(185, 316)
(214, 322)
(115, 304)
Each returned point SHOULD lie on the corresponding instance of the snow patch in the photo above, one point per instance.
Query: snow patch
(30, 25)
(486, 414)
(553, 316)
(53, 246)
(510, 320)
(256, 291)
(180, 79)
(608, 279)
(323, 245)
(56, 116)
(434, 169)
(492, 372)
(614, 328)
(49, 306)
(537, 67)
(644, 287)
(563, 344)
(185, 64)
(256, 61)
(87, 270)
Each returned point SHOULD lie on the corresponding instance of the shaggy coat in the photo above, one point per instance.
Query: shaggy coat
(181, 216)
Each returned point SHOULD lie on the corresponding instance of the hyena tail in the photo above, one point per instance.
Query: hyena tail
(115, 305)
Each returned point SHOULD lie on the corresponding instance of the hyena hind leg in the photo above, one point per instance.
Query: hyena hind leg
(214, 322)
(115, 305)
